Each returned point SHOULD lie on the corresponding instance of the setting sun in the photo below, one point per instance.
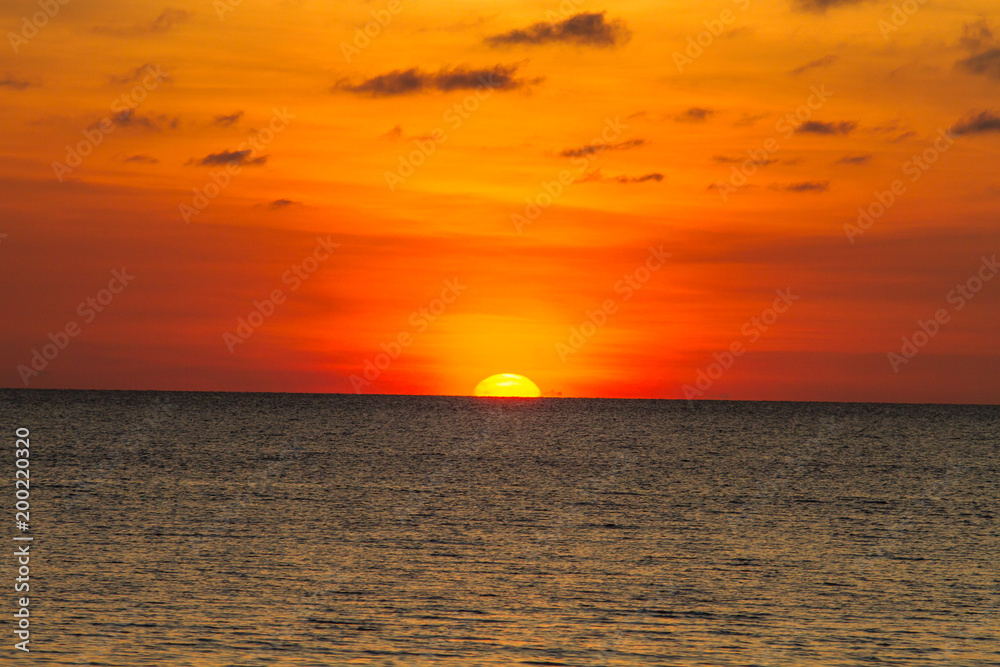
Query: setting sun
(508, 385)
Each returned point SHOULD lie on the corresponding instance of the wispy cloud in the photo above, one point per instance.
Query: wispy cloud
(694, 115)
(854, 159)
(724, 159)
(227, 121)
(166, 21)
(817, 127)
(141, 159)
(825, 61)
(595, 176)
(977, 34)
(984, 121)
(746, 120)
(591, 149)
(985, 64)
(131, 119)
(137, 74)
(16, 84)
(585, 29)
(395, 134)
(803, 186)
(821, 6)
(279, 204)
(241, 158)
(412, 81)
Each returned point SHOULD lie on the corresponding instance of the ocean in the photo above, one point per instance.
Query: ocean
(189, 528)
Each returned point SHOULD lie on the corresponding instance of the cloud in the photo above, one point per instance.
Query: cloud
(227, 121)
(395, 134)
(595, 176)
(986, 63)
(279, 204)
(241, 158)
(16, 84)
(724, 159)
(413, 80)
(130, 118)
(746, 120)
(804, 186)
(140, 72)
(166, 21)
(854, 159)
(591, 149)
(825, 61)
(820, 6)
(584, 29)
(984, 121)
(817, 127)
(694, 115)
(141, 159)
(976, 35)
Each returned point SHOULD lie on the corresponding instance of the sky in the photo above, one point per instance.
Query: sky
(750, 199)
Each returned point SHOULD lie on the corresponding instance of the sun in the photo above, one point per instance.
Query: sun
(509, 385)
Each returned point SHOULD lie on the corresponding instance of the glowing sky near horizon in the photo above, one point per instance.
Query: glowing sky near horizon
(610, 198)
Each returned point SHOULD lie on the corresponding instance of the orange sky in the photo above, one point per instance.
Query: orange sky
(507, 167)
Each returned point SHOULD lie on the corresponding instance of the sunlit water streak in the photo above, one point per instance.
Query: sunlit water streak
(253, 529)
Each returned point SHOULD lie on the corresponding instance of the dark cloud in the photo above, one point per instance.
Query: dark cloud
(854, 159)
(595, 176)
(131, 119)
(413, 80)
(805, 186)
(241, 158)
(976, 35)
(902, 137)
(694, 115)
(591, 149)
(16, 84)
(986, 63)
(166, 21)
(279, 204)
(141, 159)
(817, 127)
(585, 29)
(724, 159)
(227, 121)
(825, 61)
(984, 121)
(821, 6)
(139, 73)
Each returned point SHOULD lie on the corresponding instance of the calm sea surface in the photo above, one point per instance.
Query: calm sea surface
(260, 529)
